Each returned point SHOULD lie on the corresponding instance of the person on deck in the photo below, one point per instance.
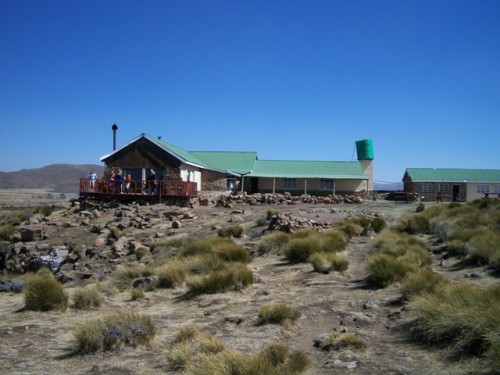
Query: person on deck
(152, 181)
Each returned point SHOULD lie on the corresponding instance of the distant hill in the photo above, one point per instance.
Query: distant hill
(388, 186)
(60, 178)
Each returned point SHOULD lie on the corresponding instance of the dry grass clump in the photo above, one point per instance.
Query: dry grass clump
(345, 340)
(136, 293)
(231, 231)
(42, 292)
(362, 225)
(199, 353)
(462, 316)
(87, 298)
(306, 242)
(273, 243)
(413, 224)
(392, 256)
(171, 274)
(233, 276)
(422, 280)
(325, 262)
(484, 248)
(277, 313)
(232, 252)
(166, 248)
(123, 276)
(113, 330)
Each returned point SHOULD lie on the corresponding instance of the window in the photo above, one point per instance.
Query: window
(325, 184)
(290, 183)
(443, 188)
(483, 189)
(497, 189)
(425, 188)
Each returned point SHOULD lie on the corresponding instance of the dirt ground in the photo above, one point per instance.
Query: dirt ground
(43, 342)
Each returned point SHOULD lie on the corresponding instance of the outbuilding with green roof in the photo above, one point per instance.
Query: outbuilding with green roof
(452, 184)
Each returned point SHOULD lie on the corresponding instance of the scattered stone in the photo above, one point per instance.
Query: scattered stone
(12, 285)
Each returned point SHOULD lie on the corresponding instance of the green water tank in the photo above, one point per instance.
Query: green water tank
(364, 149)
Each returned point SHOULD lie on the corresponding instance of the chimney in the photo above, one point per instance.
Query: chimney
(115, 128)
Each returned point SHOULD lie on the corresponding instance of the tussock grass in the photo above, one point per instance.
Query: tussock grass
(413, 224)
(140, 252)
(420, 281)
(462, 316)
(484, 248)
(194, 246)
(113, 330)
(87, 298)
(42, 292)
(273, 243)
(385, 269)
(231, 276)
(306, 242)
(169, 247)
(199, 353)
(277, 313)
(231, 231)
(232, 252)
(7, 231)
(123, 276)
(171, 274)
(136, 293)
(325, 262)
(345, 340)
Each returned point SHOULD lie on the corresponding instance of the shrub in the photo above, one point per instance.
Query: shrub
(345, 340)
(326, 262)
(273, 243)
(277, 313)
(385, 269)
(113, 330)
(271, 213)
(402, 245)
(232, 231)
(42, 292)
(352, 229)
(463, 316)
(86, 299)
(221, 280)
(420, 281)
(203, 264)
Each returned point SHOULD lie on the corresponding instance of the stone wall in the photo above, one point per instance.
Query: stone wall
(213, 181)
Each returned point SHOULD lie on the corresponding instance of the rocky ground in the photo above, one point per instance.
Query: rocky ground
(43, 342)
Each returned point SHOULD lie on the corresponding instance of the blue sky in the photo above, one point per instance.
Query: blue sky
(298, 80)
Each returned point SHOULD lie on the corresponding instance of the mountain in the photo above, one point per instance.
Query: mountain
(388, 186)
(60, 178)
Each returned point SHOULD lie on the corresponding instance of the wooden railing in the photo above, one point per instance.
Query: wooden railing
(137, 187)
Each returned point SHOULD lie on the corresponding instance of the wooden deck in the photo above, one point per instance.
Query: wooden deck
(163, 190)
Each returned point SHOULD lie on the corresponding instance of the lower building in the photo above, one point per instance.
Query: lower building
(452, 185)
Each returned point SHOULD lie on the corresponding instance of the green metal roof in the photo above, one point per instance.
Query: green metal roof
(453, 175)
(308, 169)
(239, 162)
(181, 153)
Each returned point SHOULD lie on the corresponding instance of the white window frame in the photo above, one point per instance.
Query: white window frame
(443, 188)
(425, 187)
(483, 188)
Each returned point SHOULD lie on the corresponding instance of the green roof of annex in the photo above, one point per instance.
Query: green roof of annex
(453, 175)
(248, 164)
